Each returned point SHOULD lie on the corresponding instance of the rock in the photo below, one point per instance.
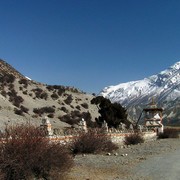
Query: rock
(109, 154)
(115, 154)
(122, 147)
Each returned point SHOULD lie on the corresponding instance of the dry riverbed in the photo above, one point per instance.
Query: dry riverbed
(127, 163)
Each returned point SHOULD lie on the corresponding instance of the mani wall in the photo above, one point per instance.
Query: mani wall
(116, 135)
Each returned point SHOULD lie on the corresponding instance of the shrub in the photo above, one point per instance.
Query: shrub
(17, 101)
(64, 109)
(7, 78)
(133, 138)
(3, 93)
(92, 142)
(18, 112)
(39, 93)
(50, 115)
(44, 95)
(78, 107)
(68, 119)
(24, 109)
(76, 116)
(11, 86)
(21, 88)
(54, 96)
(61, 89)
(169, 133)
(14, 98)
(84, 105)
(25, 92)
(72, 106)
(24, 81)
(29, 155)
(43, 110)
(68, 100)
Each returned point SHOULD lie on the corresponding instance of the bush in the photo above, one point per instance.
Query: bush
(24, 81)
(11, 86)
(76, 116)
(3, 93)
(14, 98)
(169, 133)
(21, 88)
(24, 109)
(84, 105)
(44, 95)
(60, 89)
(39, 93)
(54, 96)
(25, 92)
(25, 153)
(92, 142)
(50, 115)
(43, 110)
(68, 119)
(7, 78)
(64, 109)
(68, 100)
(133, 138)
(18, 112)
(78, 107)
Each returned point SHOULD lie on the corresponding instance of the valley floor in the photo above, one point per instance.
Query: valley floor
(159, 159)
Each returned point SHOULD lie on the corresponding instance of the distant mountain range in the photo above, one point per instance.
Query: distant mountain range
(163, 87)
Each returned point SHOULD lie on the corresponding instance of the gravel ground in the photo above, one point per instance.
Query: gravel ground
(127, 163)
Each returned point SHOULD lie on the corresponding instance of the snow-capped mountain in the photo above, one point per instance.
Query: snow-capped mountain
(164, 87)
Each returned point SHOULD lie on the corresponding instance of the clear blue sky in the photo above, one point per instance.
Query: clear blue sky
(89, 44)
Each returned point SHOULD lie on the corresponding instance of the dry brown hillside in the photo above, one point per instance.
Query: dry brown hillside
(24, 100)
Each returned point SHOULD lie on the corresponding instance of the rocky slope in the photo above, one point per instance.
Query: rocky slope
(164, 87)
(22, 100)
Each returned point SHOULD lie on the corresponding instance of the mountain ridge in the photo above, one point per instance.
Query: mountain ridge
(165, 87)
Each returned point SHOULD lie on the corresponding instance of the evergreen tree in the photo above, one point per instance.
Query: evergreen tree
(112, 113)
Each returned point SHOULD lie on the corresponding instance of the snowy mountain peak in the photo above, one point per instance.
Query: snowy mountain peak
(176, 66)
(164, 84)
(165, 87)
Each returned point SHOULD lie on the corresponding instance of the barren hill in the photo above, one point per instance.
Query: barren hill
(24, 100)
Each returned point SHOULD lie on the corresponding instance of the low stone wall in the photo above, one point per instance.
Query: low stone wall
(117, 138)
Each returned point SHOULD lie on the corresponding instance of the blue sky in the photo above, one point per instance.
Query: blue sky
(89, 44)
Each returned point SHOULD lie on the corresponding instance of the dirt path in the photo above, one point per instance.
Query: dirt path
(165, 166)
(148, 161)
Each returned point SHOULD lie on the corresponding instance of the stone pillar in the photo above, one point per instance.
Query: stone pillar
(161, 128)
(47, 126)
(105, 126)
(83, 125)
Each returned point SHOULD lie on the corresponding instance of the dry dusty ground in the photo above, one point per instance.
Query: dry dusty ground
(124, 164)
